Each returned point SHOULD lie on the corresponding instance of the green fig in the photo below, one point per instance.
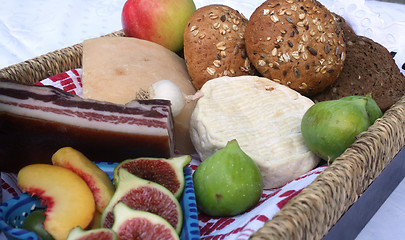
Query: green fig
(330, 127)
(34, 223)
(373, 111)
(228, 182)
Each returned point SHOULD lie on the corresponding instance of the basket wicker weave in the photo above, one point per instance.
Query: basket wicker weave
(325, 200)
(41, 67)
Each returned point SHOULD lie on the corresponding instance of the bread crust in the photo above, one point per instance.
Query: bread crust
(369, 69)
(296, 43)
(214, 44)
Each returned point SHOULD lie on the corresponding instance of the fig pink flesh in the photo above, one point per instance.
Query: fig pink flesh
(150, 200)
(141, 228)
(157, 171)
(100, 235)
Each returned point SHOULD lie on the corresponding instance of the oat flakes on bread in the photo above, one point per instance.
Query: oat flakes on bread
(214, 44)
(369, 69)
(296, 43)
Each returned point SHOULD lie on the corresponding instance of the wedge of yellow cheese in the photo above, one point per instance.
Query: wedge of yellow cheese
(116, 68)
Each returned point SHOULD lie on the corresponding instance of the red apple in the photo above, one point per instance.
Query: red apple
(159, 21)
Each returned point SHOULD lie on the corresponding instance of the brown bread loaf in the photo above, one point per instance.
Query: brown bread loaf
(296, 43)
(369, 69)
(214, 44)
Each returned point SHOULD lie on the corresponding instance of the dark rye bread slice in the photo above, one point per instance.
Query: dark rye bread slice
(369, 69)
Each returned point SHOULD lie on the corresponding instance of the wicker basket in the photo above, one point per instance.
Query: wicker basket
(325, 200)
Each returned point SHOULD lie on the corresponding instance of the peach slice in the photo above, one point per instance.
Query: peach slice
(97, 180)
(70, 201)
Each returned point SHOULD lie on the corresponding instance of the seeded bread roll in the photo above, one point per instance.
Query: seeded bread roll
(214, 44)
(296, 43)
(369, 69)
(348, 32)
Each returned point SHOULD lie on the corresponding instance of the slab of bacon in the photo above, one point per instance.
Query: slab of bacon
(35, 121)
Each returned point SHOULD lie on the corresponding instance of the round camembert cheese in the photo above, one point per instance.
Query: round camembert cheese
(263, 116)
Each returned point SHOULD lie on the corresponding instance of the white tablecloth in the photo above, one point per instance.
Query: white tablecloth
(32, 28)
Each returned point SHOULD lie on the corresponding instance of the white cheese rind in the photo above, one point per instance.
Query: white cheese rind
(263, 116)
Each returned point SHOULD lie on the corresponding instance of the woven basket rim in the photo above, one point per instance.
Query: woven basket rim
(343, 181)
(325, 200)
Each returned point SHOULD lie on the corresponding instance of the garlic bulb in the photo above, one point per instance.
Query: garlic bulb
(166, 89)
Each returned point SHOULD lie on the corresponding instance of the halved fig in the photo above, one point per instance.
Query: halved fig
(166, 172)
(144, 195)
(78, 233)
(134, 224)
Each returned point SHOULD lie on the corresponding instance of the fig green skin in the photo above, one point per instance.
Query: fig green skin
(330, 127)
(373, 111)
(227, 183)
(34, 223)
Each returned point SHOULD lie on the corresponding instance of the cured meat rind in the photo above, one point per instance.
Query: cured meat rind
(35, 121)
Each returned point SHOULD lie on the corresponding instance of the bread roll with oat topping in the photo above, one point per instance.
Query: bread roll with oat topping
(296, 43)
(214, 44)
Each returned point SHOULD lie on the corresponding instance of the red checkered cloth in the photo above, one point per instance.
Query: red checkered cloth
(242, 226)
(239, 227)
(69, 81)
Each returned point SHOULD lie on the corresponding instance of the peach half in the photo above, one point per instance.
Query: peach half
(69, 200)
(97, 180)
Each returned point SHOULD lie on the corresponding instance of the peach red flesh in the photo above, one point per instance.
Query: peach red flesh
(45, 199)
(88, 179)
